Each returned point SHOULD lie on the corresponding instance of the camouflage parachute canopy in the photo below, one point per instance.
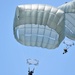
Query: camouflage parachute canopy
(44, 25)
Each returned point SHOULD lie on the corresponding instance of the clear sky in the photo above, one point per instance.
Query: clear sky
(13, 55)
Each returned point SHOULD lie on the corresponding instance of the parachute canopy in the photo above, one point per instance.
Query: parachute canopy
(39, 25)
(32, 61)
(69, 9)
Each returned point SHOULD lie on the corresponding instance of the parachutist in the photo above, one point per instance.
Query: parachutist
(65, 51)
(30, 72)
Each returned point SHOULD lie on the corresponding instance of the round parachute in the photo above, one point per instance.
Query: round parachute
(68, 43)
(39, 25)
(69, 9)
(32, 62)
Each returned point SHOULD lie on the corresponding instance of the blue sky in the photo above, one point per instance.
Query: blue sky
(13, 55)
